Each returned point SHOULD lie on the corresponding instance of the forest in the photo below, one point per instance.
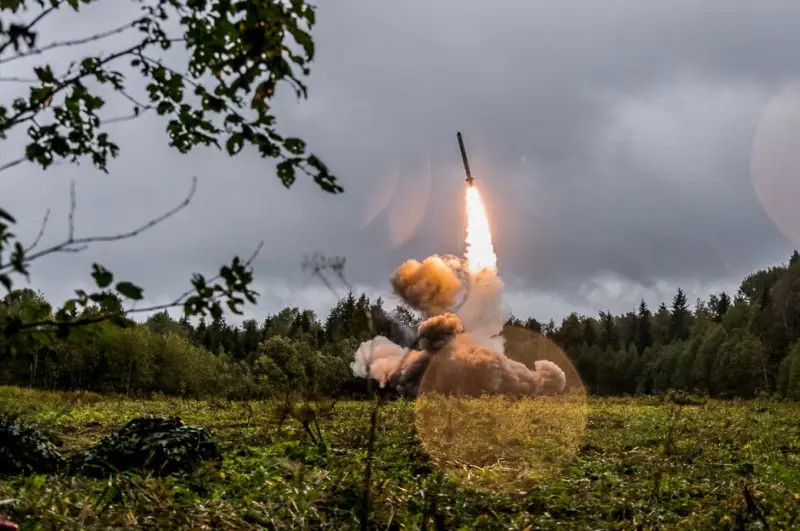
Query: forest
(745, 345)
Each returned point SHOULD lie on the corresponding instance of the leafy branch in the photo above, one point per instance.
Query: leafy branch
(239, 52)
(205, 296)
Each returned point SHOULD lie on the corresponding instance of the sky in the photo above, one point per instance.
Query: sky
(624, 148)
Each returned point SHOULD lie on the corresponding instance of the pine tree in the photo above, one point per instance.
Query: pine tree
(570, 335)
(628, 325)
(719, 305)
(679, 319)
(706, 359)
(251, 337)
(608, 333)
(644, 337)
(589, 331)
(406, 317)
(660, 325)
(513, 321)
(533, 324)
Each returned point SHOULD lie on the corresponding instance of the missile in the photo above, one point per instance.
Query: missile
(464, 158)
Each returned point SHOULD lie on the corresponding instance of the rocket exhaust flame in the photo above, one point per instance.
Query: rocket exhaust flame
(480, 251)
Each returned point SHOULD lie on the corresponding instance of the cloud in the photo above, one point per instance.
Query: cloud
(609, 143)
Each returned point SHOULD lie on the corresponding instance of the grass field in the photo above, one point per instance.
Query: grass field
(619, 463)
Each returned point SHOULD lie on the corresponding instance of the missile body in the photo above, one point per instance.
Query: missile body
(470, 180)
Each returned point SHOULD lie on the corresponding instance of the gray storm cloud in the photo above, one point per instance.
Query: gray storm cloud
(600, 128)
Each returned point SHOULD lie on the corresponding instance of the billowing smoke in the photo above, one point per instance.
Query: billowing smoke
(461, 349)
(464, 368)
(407, 375)
(430, 286)
(377, 358)
(435, 332)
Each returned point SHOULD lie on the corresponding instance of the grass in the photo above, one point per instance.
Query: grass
(611, 463)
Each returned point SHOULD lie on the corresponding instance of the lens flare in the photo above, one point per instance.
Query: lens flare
(480, 251)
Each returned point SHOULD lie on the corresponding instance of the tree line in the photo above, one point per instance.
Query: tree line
(739, 346)
(287, 352)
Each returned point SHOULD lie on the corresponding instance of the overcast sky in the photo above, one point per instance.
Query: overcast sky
(624, 148)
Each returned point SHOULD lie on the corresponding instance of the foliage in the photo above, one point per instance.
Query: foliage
(724, 347)
(640, 463)
(747, 351)
(236, 56)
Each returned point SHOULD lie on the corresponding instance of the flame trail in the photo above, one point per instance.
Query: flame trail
(480, 251)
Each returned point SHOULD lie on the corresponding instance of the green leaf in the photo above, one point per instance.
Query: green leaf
(70, 306)
(295, 145)
(6, 216)
(102, 276)
(234, 143)
(45, 74)
(286, 172)
(129, 290)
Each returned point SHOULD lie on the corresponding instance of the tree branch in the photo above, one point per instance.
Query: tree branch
(182, 297)
(83, 321)
(72, 206)
(319, 263)
(36, 106)
(41, 232)
(33, 22)
(18, 79)
(69, 244)
(72, 42)
(143, 108)
(15, 162)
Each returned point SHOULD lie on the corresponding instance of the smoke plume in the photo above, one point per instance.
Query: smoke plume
(461, 349)
(430, 286)
(461, 346)
(377, 358)
(435, 332)
(464, 368)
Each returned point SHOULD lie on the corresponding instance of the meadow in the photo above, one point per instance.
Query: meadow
(620, 463)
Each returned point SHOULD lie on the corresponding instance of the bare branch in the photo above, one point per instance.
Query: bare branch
(72, 206)
(126, 117)
(41, 232)
(319, 263)
(73, 249)
(15, 162)
(18, 79)
(138, 109)
(72, 243)
(134, 100)
(73, 42)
